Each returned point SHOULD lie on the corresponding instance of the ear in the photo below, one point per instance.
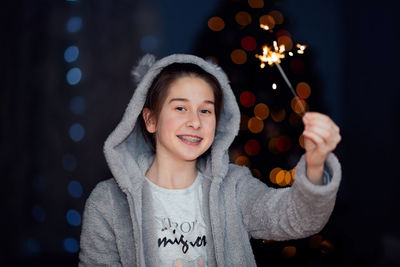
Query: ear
(149, 120)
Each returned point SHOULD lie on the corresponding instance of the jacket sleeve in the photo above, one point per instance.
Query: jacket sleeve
(288, 213)
(98, 244)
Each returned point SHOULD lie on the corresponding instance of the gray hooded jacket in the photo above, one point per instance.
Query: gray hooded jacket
(116, 221)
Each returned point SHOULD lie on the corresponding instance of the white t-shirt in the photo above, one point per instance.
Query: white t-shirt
(180, 226)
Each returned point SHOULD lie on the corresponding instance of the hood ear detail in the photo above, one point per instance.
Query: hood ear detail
(142, 67)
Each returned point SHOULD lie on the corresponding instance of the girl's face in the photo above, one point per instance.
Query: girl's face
(185, 127)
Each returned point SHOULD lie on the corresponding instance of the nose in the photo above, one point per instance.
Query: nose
(194, 121)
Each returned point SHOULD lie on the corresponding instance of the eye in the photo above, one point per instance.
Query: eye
(180, 108)
(205, 111)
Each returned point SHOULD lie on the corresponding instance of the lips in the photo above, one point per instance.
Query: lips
(190, 139)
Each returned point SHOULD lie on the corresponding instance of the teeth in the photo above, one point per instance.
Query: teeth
(190, 139)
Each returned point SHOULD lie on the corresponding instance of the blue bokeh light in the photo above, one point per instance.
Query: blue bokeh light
(38, 213)
(71, 245)
(69, 162)
(73, 217)
(75, 189)
(149, 43)
(77, 105)
(77, 132)
(74, 76)
(74, 24)
(71, 53)
(32, 245)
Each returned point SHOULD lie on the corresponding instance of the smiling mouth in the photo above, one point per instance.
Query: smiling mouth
(190, 139)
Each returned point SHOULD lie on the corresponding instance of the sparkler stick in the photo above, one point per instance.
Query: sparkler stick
(274, 57)
(303, 110)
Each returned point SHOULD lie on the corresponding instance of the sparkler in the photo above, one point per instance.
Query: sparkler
(274, 56)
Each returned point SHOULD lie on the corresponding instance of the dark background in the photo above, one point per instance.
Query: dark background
(52, 132)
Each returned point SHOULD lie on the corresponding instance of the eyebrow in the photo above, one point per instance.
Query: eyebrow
(186, 100)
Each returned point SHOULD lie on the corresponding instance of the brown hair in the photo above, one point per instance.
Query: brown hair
(159, 89)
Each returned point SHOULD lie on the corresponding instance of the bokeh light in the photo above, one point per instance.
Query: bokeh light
(326, 247)
(242, 161)
(243, 18)
(274, 86)
(216, 24)
(75, 189)
(74, 76)
(38, 213)
(298, 104)
(71, 245)
(289, 252)
(71, 53)
(280, 177)
(301, 141)
(256, 3)
(277, 15)
(247, 99)
(261, 111)
(77, 105)
(76, 132)
(282, 32)
(69, 162)
(252, 147)
(73, 217)
(303, 90)
(149, 43)
(267, 20)
(278, 115)
(286, 41)
(273, 173)
(74, 24)
(255, 125)
(239, 56)
(248, 43)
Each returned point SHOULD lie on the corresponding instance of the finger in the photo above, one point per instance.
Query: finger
(315, 138)
(325, 134)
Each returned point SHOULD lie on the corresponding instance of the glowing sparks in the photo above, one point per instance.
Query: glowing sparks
(274, 86)
(272, 55)
(301, 48)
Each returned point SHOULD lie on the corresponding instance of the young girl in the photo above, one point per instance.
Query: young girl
(175, 200)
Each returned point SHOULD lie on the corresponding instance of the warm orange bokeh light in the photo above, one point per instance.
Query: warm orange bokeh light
(286, 41)
(297, 105)
(267, 20)
(242, 161)
(243, 18)
(283, 144)
(261, 111)
(216, 24)
(303, 90)
(277, 15)
(252, 147)
(256, 3)
(326, 247)
(256, 173)
(249, 43)
(278, 115)
(273, 173)
(301, 141)
(239, 56)
(255, 125)
(280, 177)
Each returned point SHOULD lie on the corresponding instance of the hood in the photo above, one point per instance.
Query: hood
(126, 151)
